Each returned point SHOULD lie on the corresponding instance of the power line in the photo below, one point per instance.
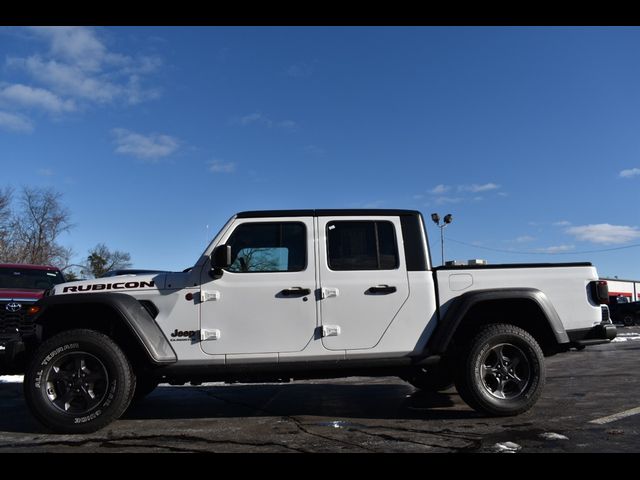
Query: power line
(516, 252)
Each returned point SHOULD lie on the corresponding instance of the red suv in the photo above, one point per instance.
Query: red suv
(20, 287)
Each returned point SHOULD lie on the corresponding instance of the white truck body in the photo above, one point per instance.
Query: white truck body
(309, 294)
(239, 317)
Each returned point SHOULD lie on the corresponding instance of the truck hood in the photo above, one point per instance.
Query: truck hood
(118, 284)
(21, 294)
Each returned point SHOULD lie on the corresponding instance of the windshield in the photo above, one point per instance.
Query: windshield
(30, 279)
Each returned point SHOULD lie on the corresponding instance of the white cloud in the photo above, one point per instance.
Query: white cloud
(440, 189)
(77, 45)
(314, 150)
(260, 119)
(604, 233)
(251, 118)
(217, 166)
(36, 97)
(475, 188)
(135, 93)
(149, 147)
(78, 66)
(286, 124)
(562, 223)
(630, 172)
(448, 200)
(556, 249)
(525, 239)
(72, 80)
(15, 123)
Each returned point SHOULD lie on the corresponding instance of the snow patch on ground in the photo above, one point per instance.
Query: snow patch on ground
(11, 378)
(506, 447)
(625, 337)
(552, 436)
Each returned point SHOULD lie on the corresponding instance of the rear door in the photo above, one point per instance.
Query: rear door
(363, 279)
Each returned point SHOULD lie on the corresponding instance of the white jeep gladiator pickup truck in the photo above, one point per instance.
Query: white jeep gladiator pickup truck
(301, 294)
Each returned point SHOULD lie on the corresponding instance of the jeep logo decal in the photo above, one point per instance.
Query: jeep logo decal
(184, 333)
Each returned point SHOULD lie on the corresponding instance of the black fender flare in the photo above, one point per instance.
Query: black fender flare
(129, 311)
(462, 304)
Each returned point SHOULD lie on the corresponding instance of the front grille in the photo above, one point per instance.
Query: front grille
(12, 323)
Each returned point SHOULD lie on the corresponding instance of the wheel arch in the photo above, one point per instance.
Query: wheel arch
(529, 309)
(120, 316)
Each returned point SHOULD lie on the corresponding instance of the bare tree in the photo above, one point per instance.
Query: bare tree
(36, 229)
(31, 235)
(101, 260)
(5, 221)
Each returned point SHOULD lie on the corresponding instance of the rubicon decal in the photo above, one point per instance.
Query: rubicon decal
(109, 286)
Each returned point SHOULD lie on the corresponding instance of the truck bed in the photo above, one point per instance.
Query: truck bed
(564, 284)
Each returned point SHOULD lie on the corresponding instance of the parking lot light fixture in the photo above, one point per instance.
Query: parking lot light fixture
(448, 218)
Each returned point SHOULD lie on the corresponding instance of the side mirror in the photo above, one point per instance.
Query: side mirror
(221, 257)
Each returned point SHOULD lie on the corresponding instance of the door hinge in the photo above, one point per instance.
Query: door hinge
(206, 334)
(212, 295)
(329, 292)
(330, 330)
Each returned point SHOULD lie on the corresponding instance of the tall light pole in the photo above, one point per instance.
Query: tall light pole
(448, 218)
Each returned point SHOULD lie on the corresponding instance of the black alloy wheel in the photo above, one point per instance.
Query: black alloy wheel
(78, 381)
(501, 371)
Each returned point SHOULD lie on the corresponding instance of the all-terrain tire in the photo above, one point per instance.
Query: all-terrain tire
(78, 381)
(502, 372)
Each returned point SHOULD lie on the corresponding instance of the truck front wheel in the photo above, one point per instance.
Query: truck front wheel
(78, 382)
(502, 372)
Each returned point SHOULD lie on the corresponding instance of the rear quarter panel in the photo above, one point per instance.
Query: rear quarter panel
(566, 287)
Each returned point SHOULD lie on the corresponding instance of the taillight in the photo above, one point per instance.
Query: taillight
(600, 291)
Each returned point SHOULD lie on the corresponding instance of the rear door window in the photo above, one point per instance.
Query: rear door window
(362, 245)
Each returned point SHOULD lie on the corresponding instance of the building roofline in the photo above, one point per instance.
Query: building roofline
(619, 279)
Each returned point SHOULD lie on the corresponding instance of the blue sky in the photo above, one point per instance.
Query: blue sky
(530, 137)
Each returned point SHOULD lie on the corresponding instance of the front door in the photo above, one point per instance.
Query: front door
(264, 302)
(363, 279)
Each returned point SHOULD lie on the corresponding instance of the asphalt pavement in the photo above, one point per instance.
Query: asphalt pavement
(591, 403)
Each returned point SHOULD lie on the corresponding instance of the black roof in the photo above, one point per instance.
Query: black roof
(327, 213)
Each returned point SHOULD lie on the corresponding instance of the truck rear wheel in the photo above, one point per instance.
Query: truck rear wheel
(78, 382)
(502, 372)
